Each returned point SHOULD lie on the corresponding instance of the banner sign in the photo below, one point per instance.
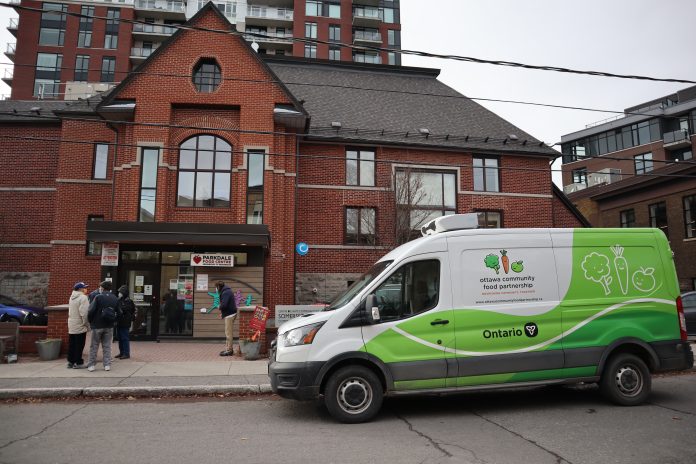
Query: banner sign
(109, 255)
(258, 320)
(212, 259)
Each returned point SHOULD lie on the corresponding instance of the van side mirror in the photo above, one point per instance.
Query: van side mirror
(372, 309)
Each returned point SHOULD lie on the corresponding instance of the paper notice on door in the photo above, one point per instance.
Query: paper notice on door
(139, 281)
(138, 297)
(173, 284)
(148, 290)
(202, 283)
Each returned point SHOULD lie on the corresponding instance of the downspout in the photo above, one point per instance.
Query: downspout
(113, 170)
(294, 227)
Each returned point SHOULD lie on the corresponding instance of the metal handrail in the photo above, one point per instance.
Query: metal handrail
(14, 23)
(367, 35)
(675, 136)
(141, 52)
(168, 5)
(11, 48)
(154, 29)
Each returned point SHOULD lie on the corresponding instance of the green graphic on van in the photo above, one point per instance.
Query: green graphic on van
(531, 330)
(494, 262)
(597, 268)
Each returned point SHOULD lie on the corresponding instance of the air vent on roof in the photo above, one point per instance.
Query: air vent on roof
(452, 222)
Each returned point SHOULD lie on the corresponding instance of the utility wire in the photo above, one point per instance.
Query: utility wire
(325, 157)
(372, 48)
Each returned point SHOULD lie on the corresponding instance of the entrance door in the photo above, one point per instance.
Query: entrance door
(143, 285)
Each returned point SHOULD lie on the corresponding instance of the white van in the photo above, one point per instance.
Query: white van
(464, 308)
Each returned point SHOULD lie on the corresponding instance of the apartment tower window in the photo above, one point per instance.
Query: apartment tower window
(53, 20)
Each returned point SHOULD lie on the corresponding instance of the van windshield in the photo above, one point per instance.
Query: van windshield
(358, 285)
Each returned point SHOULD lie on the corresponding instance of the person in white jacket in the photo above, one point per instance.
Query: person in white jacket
(78, 325)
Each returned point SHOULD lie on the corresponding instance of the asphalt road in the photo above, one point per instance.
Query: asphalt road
(544, 425)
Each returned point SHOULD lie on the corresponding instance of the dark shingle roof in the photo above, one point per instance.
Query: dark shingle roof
(388, 114)
(23, 110)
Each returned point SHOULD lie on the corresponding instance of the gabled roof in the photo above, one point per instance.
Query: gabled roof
(36, 111)
(390, 104)
(571, 207)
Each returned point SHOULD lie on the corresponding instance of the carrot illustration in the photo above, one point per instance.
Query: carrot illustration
(505, 260)
(621, 266)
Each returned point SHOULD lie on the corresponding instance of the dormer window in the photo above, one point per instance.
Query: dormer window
(207, 75)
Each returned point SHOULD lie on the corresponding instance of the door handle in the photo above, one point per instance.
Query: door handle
(439, 322)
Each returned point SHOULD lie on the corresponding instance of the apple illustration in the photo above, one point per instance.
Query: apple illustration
(517, 266)
(643, 279)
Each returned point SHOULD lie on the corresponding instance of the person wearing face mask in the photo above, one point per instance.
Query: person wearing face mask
(126, 315)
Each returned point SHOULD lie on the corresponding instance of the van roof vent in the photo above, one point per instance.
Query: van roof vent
(452, 222)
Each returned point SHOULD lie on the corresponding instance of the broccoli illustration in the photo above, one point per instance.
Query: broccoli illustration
(596, 267)
(493, 262)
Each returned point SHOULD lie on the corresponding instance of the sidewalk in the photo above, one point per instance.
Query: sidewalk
(167, 368)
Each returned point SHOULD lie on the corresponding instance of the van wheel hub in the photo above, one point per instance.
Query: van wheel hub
(629, 380)
(354, 395)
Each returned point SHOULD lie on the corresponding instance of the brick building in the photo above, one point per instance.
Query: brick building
(59, 55)
(242, 159)
(638, 171)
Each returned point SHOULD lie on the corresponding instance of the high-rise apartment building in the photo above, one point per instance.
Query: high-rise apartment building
(62, 56)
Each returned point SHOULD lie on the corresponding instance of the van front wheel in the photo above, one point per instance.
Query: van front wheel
(353, 394)
(626, 380)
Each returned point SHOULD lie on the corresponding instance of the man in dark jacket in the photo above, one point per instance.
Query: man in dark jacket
(102, 329)
(228, 312)
(126, 314)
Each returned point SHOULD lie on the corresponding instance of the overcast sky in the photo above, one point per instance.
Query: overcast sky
(644, 37)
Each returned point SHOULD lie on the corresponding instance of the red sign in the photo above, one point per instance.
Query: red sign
(258, 320)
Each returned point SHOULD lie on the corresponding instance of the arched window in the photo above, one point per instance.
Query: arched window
(205, 163)
(207, 75)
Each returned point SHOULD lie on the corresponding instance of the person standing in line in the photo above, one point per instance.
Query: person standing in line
(102, 307)
(228, 312)
(78, 325)
(126, 314)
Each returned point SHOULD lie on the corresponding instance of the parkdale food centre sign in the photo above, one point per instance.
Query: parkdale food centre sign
(212, 259)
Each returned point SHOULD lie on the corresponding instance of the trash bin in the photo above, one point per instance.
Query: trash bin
(250, 350)
(49, 349)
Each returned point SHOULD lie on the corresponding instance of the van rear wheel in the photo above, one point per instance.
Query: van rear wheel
(353, 394)
(626, 380)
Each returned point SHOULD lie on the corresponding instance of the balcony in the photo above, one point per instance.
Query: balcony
(676, 139)
(14, 2)
(572, 188)
(269, 16)
(367, 37)
(7, 76)
(153, 29)
(367, 58)
(168, 9)
(13, 26)
(366, 16)
(11, 50)
(270, 38)
(138, 54)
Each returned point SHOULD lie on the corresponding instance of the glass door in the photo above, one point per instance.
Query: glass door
(143, 285)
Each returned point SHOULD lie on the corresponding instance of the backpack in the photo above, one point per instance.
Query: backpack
(109, 314)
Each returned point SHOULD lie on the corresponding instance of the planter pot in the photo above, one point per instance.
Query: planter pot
(48, 349)
(250, 350)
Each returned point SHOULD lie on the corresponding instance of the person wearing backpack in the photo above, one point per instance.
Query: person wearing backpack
(102, 317)
(126, 314)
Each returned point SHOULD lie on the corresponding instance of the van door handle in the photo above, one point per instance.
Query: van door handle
(439, 322)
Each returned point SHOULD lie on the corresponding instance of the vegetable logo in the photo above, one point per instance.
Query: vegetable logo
(621, 267)
(494, 262)
(644, 279)
(596, 267)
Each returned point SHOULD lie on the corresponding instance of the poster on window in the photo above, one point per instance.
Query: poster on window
(109, 255)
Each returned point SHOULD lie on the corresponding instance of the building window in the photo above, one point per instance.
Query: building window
(310, 30)
(94, 248)
(53, 18)
(388, 15)
(310, 51)
(690, 216)
(148, 184)
(486, 175)
(82, 68)
(113, 16)
(84, 38)
(393, 37)
(392, 58)
(205, 163)
(334, 33)
(256, 163)
(334, 10)
(658, 216)
(490, 219)
(101, 160)
(628, 218)
(207, 76)
(47, 77)
(580, 176)
(335, 53)
(684, 154)
(313, 8)
(367, 57)
(421, 196)
(108, 69)
(360, 226)
(613, 140)
(360, 167)
(643, 163)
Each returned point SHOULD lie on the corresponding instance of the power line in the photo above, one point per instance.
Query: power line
(372, 48)
(324, 157)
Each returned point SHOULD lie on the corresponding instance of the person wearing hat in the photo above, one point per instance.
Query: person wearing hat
(78, 325)
(104, 304)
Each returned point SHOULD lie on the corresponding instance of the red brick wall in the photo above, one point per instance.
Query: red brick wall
(29, 334)
(58, 328)
(562, 216)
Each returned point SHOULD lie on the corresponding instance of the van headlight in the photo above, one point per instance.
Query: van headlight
(300, 336)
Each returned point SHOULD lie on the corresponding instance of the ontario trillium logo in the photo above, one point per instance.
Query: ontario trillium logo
(531, 329)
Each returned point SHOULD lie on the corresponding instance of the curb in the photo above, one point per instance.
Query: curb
(93, 392)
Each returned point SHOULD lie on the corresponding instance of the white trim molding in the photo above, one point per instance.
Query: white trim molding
(69, 242)
(343, 187)
(27, 189)
(84, 181)
(507, 194)
(25, 245)
(349, 247)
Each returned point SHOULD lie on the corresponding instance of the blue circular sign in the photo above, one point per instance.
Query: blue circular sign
(302, 248)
